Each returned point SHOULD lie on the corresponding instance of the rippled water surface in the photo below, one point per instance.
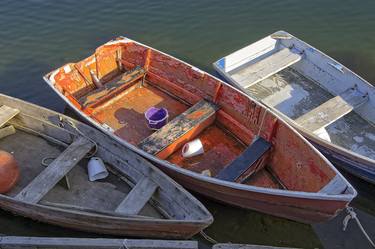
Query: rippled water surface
(40, 35)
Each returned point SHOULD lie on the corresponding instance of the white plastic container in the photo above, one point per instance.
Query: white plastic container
(96, 169)
(193, 148)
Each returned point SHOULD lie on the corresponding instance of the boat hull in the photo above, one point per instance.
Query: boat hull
(98, 223)
(304, 210)
(311, 206)
(75, 216)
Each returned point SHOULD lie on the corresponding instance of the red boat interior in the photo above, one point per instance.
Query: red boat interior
(242, 141)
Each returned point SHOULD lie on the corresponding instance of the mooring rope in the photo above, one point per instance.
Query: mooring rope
(124, 244)
(208, 238)
(352, 215)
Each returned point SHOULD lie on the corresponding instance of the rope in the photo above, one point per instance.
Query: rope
(61, 124)
(208, 238)
(352, 215)
(44, 163)
(124, 244)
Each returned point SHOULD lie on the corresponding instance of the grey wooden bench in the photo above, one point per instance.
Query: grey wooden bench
(332, 110)
(252, 74)
(50, 176)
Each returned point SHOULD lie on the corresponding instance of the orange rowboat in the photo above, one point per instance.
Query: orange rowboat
(252, 159)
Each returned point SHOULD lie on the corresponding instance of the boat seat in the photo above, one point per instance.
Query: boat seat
(137, 197)
(6, 114)
(59, 167)
(249, 162)
(112, 88)
(332, 110)
(180, 130)
(249, 75)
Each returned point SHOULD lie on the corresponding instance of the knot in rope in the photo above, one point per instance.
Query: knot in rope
(352, 215)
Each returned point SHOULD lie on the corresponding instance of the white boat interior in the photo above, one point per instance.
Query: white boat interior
(319, 94)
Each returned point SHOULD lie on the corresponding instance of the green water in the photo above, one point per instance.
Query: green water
(37, 36)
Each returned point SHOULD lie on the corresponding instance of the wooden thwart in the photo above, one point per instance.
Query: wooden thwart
(110, 89)
(247, 163)
(138, 197)
(180, 130)
(262, 69)
(331, 110)
(6, 131)
(6, 114)
(45, 242)
(49, 177)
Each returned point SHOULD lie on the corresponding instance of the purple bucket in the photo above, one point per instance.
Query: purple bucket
(156, 117)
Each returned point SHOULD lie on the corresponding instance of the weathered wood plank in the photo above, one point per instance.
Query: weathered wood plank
(6, 114)
(110, 89)
(246, 162)
(45, 242)
(49, 177)
(195, 119)
(331, 110)
(6, 131)
(138, 197)
(262, 69)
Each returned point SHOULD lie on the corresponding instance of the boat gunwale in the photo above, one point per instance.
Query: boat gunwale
(286, 193)
(343, 151)
(93, 214)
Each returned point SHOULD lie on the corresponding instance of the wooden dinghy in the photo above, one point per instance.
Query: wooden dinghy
(251, 158)
(326, 102)
(136, 199)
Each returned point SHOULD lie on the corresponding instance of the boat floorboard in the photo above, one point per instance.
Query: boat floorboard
(103, 195)
(220, 149)
(125, 115)
(294, 95)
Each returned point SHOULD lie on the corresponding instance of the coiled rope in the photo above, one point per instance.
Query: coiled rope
(352, 215)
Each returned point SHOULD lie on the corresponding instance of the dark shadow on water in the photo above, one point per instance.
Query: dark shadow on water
(359, 62)
(20, 226)
(238, 225)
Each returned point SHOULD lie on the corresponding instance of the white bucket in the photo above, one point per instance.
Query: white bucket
(96, 169)
(193, 148)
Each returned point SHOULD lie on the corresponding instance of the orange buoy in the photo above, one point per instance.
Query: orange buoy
(9, 171)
